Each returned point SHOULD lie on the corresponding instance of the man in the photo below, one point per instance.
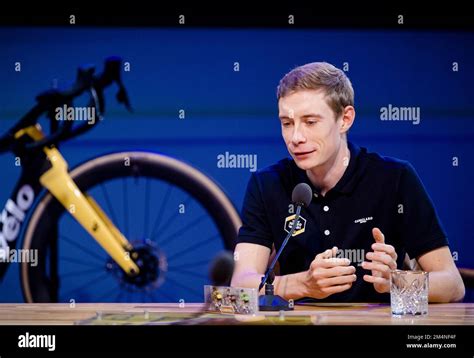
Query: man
(372, 207)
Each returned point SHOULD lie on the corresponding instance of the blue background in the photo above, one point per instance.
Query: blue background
(193, 69)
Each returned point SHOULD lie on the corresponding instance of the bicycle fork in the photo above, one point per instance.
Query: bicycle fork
(82, 206)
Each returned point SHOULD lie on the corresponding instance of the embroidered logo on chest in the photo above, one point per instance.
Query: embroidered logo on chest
(363, 220)
(300, 225)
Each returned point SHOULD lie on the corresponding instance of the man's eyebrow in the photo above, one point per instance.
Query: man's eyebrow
(312, 115)
(306, 116)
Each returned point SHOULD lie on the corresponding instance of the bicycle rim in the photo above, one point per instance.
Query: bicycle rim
(182, 218)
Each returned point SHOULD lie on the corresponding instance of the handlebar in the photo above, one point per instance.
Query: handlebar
(48, 101)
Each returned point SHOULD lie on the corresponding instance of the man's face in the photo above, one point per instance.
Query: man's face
(309, 128)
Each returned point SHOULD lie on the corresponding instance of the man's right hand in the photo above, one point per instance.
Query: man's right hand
(328, 275)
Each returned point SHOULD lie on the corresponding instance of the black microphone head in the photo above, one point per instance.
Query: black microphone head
(302, 194)
(222, 269)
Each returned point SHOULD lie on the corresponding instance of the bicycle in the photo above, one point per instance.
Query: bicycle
(47, 189)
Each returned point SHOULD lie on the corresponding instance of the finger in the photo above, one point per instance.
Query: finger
(339, 271)
(323, 264)
(324, 255)
(373, 279)
(378, 236)
(327, 254)
(375, 266)
(333, 262)
(383, 258)
(389, 249)
(336, 289)
(340, 280)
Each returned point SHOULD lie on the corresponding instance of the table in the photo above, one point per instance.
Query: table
(168, 313)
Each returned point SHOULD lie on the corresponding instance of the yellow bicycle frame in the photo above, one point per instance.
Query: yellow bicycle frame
(81, 206)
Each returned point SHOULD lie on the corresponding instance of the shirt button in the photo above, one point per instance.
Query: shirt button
(326, 208)
(326, 232)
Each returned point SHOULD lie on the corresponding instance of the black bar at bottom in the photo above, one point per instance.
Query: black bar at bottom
(409, 340)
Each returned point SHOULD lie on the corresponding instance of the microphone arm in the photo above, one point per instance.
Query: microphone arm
(269, 273)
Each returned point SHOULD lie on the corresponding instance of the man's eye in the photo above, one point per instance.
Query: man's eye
(286, 124)
(311, 122)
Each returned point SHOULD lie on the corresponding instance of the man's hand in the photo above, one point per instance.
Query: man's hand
(328, 275)
(384, 259)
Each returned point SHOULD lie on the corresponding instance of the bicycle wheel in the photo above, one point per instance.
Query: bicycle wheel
(175, 216)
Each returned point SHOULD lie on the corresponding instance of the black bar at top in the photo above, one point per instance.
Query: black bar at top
(302, 19)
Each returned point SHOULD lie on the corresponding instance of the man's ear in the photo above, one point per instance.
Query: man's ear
(348, 116)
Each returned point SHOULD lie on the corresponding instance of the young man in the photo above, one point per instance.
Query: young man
(372, 207)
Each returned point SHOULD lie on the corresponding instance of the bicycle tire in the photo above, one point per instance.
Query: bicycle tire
(48, 211)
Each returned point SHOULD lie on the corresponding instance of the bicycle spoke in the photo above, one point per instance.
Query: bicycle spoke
(173, 217)
(80, 272)
(119, 295)
(160, 211)
(196, 263)
(147, 206)
(87, 284)
(109, 205)
(85, 249)
(165, 295)
(189, 248)
(125, 206)
(192, 273)
(78, 262)
(186, 288)
(106, 294)
(151, 296)
(181, 231)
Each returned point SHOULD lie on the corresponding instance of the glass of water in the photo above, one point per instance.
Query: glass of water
(409, 292)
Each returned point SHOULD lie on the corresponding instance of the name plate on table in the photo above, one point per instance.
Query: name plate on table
(232, 300)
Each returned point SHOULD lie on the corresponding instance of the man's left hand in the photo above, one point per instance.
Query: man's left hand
(383, 260)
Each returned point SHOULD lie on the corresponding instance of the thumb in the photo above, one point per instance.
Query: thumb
(378, 235)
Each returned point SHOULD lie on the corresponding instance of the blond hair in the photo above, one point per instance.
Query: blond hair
(320, 76)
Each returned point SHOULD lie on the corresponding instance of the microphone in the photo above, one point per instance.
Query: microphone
(301, 196)
(222, 269)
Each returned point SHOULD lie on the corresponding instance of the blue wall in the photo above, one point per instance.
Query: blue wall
(193, 69)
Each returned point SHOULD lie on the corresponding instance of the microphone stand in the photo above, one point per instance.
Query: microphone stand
(269, 301)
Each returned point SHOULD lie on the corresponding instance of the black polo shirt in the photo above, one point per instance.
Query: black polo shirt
(374, 191)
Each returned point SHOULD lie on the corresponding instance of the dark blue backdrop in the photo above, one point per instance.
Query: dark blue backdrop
(236, 111)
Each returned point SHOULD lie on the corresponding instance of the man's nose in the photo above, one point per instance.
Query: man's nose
(298, 136)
